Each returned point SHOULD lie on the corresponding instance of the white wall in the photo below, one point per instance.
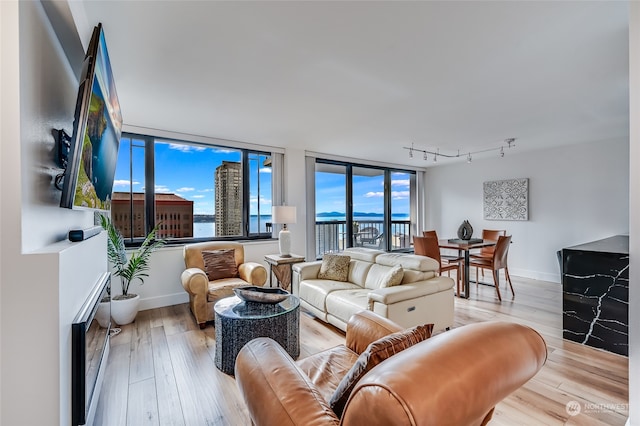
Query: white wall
(40, 284)
(634, 200)
(577, 193)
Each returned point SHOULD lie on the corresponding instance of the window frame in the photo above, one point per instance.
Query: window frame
(149, 196)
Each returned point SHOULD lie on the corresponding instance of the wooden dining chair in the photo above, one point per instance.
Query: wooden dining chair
(428, 246)
(487, 252)
(445, 257)
(496, 262)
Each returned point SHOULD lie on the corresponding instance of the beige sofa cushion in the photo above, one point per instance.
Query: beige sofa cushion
(408, 261)
(344, 303)
(358, 271)
(315, 292)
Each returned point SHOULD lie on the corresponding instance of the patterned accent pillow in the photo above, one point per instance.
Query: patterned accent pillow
(220, 264)
(393, 277)
(334, 267)
(375, 353)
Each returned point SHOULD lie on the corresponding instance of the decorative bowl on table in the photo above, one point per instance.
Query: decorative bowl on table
(261, 294)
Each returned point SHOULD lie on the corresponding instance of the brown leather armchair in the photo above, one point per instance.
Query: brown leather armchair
(454, 378)
(203, 294)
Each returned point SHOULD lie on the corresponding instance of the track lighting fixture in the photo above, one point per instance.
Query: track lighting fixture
(510, 143)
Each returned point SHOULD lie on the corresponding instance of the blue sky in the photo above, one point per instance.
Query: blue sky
(188, 171)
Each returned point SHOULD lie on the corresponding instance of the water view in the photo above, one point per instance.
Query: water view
(207, 228)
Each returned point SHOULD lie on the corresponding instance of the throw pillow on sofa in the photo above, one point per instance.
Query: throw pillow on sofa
(375, 353)
(393, 277)
(334, 267)
(220, 264)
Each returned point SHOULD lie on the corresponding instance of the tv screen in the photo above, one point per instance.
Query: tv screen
(88, 178)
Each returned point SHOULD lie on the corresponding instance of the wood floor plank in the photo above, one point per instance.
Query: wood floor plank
(190, 390)
(143, 404)
(113, 402)
(169, 407)
(141, 352)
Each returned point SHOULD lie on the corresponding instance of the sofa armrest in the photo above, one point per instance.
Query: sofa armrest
(253, 273)
(398, 293)
(307, 270)
(195, 281)
(303, 271)
(365, 327)
(275, 390)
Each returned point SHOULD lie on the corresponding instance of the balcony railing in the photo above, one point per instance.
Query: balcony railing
(331, 236)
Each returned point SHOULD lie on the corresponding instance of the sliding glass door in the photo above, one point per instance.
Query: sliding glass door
(362, 206)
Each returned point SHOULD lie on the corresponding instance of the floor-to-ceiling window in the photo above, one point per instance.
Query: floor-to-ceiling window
(359, 205)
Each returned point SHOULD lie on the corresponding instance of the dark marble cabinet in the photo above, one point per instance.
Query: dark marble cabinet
(595, 284)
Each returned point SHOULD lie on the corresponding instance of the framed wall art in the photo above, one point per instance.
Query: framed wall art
(506, 199)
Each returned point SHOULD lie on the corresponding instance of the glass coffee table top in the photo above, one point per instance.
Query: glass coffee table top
(235, 308)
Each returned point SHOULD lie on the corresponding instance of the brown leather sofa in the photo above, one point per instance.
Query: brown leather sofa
(203, 294)
(454, 378)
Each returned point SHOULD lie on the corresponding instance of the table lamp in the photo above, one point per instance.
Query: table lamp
(284, 215)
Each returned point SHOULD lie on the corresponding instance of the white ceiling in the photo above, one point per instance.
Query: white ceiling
(363, 79)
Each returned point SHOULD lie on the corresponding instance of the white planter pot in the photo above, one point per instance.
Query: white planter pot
(124, 311)
(102, 315)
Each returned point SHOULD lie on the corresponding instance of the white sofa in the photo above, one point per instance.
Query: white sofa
(422, 297)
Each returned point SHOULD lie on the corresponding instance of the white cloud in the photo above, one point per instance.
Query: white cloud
(206, 190)
(186, 148)
(162, 188)
(224, 151)
(372, 194)
(124, 182)
(197, 196)
(185, 189)
(265, 170)
(400, 182)
(399, 195)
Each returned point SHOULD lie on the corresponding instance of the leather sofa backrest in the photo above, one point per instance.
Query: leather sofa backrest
(193, 252)
(454, 378)
(363, 253)
(408, 261)
(368, 266)
(358, 271)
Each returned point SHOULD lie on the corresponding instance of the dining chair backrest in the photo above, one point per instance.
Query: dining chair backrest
(501, 252)
(427, 246)
(491, 234)
(432, 233)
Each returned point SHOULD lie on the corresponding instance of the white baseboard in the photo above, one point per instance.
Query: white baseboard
(536, 275)
(165, 300)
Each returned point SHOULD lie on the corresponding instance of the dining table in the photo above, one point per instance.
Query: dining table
(463, 247)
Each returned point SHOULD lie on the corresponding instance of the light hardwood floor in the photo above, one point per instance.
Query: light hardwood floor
(161, 369)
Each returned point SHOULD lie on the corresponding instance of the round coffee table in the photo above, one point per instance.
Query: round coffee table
(237, 322)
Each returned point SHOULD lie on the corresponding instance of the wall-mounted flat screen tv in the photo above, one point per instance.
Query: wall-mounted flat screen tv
(88, 178)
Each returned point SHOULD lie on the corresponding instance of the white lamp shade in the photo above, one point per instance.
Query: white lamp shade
(283, 214)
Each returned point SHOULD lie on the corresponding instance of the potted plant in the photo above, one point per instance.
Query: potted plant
(124, 307)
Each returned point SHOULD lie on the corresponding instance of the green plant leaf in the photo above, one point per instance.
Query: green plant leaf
(137, 265)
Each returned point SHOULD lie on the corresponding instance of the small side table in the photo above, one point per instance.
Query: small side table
(281, 267)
